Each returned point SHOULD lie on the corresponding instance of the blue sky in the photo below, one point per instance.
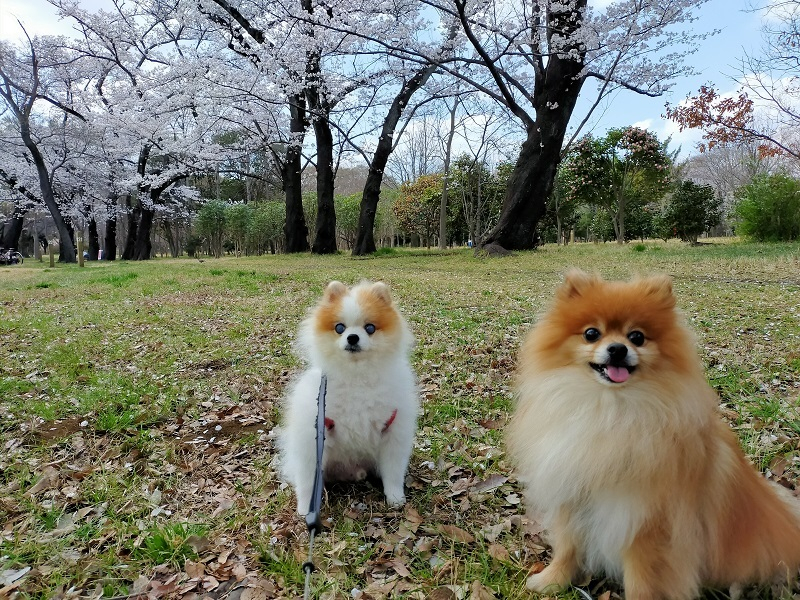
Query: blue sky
(715, 62)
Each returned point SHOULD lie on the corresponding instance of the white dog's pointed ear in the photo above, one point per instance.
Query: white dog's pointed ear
(575, 283)
(334, 290)
(381, 290)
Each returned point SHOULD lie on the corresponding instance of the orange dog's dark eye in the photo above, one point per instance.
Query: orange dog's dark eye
(636, 338)
(339, 328)
(369, 328)
(591, 334)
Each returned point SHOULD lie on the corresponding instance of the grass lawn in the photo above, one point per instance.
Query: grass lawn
(138, 403)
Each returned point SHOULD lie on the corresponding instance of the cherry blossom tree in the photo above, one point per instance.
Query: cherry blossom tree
(28, 85)
(535, 57)
(340, 81)
(141, 62)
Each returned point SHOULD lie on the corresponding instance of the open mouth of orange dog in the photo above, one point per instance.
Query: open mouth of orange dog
(614, 373)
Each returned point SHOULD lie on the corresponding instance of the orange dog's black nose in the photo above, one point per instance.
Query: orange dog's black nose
(352, 339)
(617, 352)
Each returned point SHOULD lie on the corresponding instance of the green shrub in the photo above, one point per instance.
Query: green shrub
(691, 210)
(768, 209)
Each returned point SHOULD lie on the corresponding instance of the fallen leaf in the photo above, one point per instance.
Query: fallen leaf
(456, 534)
(778, 466)
(199, 544)
(492, 423)
(442, 593)
(195, 570)
(499, 552)
(478, 591)
(536, 567)
(490, 483)
(9, 576)
(141, 585)
(459, 487)
(400, 568)
(49, 479)
(412, 515)
(239, 571)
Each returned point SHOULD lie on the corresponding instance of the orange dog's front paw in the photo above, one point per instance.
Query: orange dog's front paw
(551, 579)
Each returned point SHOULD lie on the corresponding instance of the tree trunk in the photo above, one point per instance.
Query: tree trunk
(133, 232)
(448, 152)
(295, 228)
(325, 230)
(556, 90)
(66, 248)
(143, 247)
(110, 240)
(172, 238)
(365, 241)
(619, 218)
(94, 240)
(530, 184)
(559, 241)
(12, 230)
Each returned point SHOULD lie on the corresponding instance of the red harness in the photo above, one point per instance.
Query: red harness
(389, 422)
(329, 424)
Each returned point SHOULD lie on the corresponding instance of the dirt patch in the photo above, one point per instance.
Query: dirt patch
(60, 428)
(224, 430)
(216, 364)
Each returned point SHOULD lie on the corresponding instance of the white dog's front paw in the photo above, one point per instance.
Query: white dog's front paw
(303, 503)
(395, 498)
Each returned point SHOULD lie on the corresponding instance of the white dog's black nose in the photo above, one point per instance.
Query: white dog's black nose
(352, 339)
(617, 352)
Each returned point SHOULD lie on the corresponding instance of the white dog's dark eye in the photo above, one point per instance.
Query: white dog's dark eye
(369, 328)
(591, 334)
(636, 338)
(339, 328)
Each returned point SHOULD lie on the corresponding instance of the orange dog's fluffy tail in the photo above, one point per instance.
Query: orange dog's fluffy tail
(758, 529)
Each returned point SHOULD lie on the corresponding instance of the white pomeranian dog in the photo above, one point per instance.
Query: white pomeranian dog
(358, 338)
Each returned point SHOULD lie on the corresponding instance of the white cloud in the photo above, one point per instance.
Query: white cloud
(39, 18)
(687, 140)
(600, 3)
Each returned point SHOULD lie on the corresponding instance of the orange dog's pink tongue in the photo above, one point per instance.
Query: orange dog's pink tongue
(617, 374)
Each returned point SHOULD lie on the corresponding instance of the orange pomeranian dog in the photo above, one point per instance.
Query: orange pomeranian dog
(624, 457)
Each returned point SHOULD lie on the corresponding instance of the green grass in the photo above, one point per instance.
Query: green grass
(170, 543)
(138, 401)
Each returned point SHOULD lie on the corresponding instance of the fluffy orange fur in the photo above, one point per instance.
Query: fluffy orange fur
(639, 477)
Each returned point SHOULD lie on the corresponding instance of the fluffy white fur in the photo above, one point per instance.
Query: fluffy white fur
(364, 388)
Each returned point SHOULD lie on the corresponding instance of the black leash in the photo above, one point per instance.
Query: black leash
(313, 519)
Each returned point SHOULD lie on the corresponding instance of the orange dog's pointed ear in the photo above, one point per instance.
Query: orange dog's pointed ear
(381, 290)
(575, 283)
(334, 290)
(659, 286)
